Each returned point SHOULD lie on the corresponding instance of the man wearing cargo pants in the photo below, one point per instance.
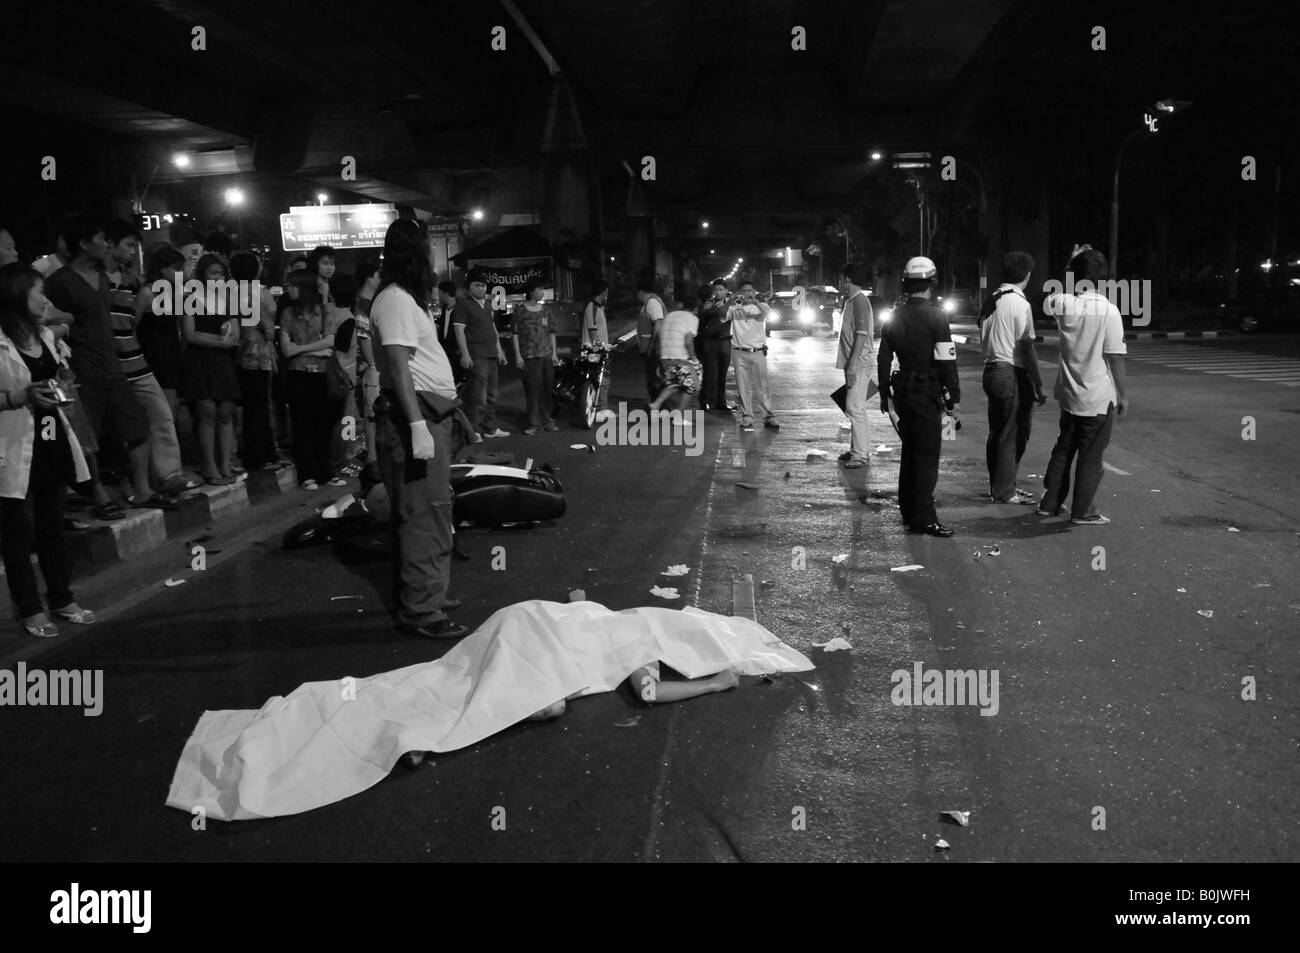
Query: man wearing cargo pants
(749, 357)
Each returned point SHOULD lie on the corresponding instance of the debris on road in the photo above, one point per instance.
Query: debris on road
(1233, 529)
(1208, 613)
(677, 570)
(942, 844)
(884, 448)
(577, 446)
(995, 550)
(834, 645)
(910, 568)
(629, 723)
(1181, 589)
(176, 582)
(738, 459)
(767, 584)
(815, 456)
(841, 559)
(664, 592)
(748, 486)
(343, 598)
(960, 818)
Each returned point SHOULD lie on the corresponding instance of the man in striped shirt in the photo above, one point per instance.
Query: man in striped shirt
(124, 283)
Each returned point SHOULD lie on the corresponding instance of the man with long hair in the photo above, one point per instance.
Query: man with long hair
(413, 423)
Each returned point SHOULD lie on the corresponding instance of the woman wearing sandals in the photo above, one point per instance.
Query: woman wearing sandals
(211, 379)
(39, 456)
(307, 342)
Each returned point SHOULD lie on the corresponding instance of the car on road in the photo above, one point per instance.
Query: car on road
(817, 313)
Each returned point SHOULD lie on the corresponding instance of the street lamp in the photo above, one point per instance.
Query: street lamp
(234, 197)
(180, 160)
(477, 215)
(1170, 106)
(321, 198)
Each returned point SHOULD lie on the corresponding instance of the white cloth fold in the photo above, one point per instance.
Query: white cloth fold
(327, 741)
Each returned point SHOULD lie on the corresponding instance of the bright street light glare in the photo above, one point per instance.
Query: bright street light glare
(234, 197)
(876, 157)
(180, 160)
(322, 198)
(477, 215)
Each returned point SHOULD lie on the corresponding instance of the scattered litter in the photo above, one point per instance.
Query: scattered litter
(941, 844)
(630, 723)
(841, 559)
(528, 464)
(1233, 529)
(995, 550)
(1262, 585)
(977, 554)
(767, 584)
(577, 446)
(1155, 491)
(815, 456)
(678, 570)
(1181, 589)
(883, 448)
(834, 645)
(748, 486)
(738, 459)
(177, 582)
(664, 592)
(960, 818)
(912, 568)
(577, 595)
(787, 475)
(1208, 613)
(1034, 475)
(342, 598)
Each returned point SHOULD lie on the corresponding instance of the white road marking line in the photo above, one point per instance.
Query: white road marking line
(1115, 469)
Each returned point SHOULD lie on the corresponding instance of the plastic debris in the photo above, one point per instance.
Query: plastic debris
(883, 448)
(343, 598)
(1181, 589)
(1035, 475)
(977, 554)
(767, 584)
(834, 645)
(591, 448)
(815, 456)
(960, 818)
(678, 570)
(748, 486)
(528, 464)
(942, 844)
(1233, 529)
(1208, 613)
(912, 568)
(1155, 491)
(629, 723)
(841, 559)
(577, 446)
(995, 550)
(664, 592)
(176, 582)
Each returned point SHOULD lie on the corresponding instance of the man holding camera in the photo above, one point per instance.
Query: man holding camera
(749, 355)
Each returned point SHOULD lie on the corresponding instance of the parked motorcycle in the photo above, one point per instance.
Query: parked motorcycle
(482, 495)
(578, 381)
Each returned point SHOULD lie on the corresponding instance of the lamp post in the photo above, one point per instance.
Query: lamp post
(983, 262)
(1114, 203)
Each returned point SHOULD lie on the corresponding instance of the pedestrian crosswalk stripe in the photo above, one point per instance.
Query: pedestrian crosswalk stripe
(1209, 360)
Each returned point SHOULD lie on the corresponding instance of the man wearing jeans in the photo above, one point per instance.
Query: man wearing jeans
(1011, 380)
(1090, 386)
(480, 353)
(857, 359)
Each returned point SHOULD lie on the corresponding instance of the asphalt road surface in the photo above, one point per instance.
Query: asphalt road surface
(1120, 733)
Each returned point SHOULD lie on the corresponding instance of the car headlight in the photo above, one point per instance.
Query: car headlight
(949, 305)
(807, 315)
(838, 314)
(886, 314)
(774, 315)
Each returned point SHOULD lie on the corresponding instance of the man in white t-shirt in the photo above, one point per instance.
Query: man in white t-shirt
(1011, 380)
(413, 432)
(647, 332)
(749, 357)
(1090, 386)
(679, 368)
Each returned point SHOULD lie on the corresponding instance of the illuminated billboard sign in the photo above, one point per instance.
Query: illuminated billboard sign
(340, 226)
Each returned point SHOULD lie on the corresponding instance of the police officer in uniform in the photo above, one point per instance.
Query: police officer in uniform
(915, 396)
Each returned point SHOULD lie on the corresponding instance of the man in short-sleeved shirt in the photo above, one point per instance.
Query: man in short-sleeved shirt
(857, 359)
(749, 357)
(1090, 386)
(1011, 381)
(480, 353)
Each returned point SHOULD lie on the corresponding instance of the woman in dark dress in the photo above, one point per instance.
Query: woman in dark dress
(211, 379)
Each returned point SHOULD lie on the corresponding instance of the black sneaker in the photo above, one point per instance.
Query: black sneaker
(932, 529)
(442, 629)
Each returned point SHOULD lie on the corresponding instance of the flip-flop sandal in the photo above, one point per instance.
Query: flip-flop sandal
(75, 614)
(75, 525)
(854, 464)
(159, 501)
(108, 511)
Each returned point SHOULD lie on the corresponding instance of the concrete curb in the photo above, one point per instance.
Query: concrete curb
(142, 531)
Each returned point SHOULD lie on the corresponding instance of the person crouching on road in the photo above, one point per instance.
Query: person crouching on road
(534, 341)
(679, 368)
(749, 355)
(413, 422)
(39, 455)
(914, 397)
(857, 358)
(1011, 380)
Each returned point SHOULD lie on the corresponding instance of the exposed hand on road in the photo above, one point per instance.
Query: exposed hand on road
(467, 362)
(421, 440)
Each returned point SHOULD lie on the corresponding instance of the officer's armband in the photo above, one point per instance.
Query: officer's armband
(945, 351)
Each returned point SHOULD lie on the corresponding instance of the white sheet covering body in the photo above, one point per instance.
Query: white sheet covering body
(316, 746)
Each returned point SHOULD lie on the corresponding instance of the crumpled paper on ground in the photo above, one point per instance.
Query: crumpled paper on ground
(834, 645)
(676, 570)
(321, 744)
(665, 592)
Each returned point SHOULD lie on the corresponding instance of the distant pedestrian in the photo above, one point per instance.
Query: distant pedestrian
(714, 348)
(749, 354)
(1090, 385)
(481, 353)
(857, 358)
(595, 330)
(1011, 380)
(647, 331)
(533, 327)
